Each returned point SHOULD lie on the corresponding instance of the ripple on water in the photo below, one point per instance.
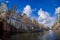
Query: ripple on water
(50, 35)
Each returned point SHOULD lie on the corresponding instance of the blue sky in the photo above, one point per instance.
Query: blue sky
(46, 7)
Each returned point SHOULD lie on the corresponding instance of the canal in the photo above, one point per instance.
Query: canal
(47, 35)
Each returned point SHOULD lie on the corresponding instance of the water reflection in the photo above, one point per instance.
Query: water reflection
(49, 35)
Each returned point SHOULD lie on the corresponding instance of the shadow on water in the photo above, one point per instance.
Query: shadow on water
(47, 35)
(26, 36)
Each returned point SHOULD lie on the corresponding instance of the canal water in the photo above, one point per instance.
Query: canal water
(47, 35)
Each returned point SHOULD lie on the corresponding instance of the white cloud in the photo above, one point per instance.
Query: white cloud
(27, 10)
(3, 7)
(7, 1)
(42, 14)
(57, 10)
(45, 18)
